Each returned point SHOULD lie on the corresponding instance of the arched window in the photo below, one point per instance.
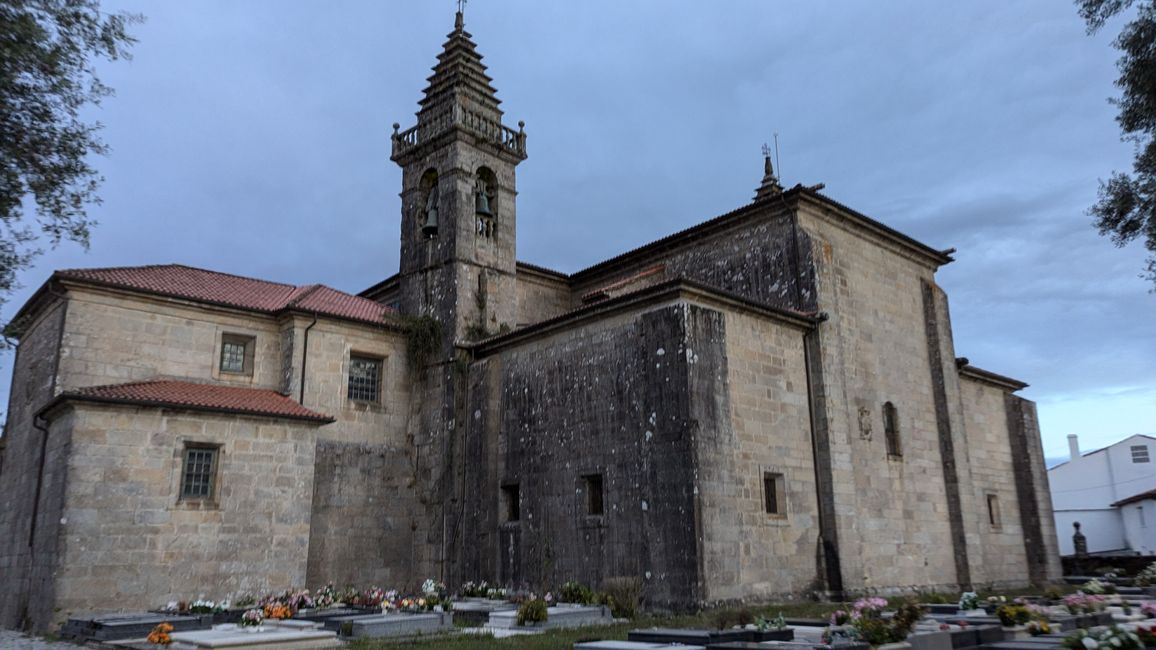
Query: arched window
(430, 200)
(891, 429)
(486, 203)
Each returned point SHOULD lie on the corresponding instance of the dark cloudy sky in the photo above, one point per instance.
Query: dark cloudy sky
(253, 137)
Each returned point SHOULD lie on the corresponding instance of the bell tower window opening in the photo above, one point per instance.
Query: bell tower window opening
(486, 203)
(429, 207)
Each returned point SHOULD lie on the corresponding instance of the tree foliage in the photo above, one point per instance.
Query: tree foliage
(1126, 208)
(48, 50)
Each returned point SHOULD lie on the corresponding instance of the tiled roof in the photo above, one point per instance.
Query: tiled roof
(178, 281)
(1143, 496)
(207, 397)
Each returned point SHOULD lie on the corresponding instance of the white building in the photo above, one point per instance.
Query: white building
(1111, 493)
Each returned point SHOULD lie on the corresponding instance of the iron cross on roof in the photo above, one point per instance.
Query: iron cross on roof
(462, 6)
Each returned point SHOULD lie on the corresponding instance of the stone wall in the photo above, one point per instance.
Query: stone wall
(115, 338)
(550, 414)
(1001, 559)
(1040, 542)
(540, 297)
(362, 531)
(892, 516)
(748, 553)
(129, 541)
(331, 343)
(28, 556)
(763, 257)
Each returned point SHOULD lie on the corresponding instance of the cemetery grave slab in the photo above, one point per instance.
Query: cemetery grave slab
(561, 616)
(631, 645)
(128, 626)
(268, 637)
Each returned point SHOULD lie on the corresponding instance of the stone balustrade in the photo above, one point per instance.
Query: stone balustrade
(432, 126)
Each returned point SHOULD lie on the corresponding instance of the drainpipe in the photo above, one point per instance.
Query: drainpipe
(39, 476)
(305, 357)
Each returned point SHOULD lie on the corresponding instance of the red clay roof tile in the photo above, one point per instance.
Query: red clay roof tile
(211, 397)
(178, 281)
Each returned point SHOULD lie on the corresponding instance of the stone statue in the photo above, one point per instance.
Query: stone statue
(1080, 542)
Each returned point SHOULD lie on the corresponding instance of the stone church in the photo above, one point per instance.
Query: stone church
(768, 404)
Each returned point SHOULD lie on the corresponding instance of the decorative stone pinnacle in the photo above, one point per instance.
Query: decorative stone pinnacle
(770, 185)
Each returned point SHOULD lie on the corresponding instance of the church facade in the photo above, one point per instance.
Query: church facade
(768, 404)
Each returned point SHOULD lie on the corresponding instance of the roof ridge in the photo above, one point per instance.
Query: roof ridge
(304, 291)
(173, 265)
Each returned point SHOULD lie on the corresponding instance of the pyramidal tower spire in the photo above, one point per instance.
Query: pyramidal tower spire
(460, 96)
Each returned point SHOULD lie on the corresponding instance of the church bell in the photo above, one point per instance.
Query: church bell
(430, 227)
(482, 205)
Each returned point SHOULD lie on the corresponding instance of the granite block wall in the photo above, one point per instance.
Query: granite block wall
(561, 418)
(31, 479)
(1001, 559)
(361, 528)
(129, 542)
(764, 429)
(766, 258)
(893, 519)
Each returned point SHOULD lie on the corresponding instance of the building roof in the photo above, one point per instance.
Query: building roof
(1143, 496)
(193, 396)
(1085, 454)
(988, 377)
(200, 285)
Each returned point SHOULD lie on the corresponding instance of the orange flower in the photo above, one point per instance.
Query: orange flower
(277, 612)
(160, 634)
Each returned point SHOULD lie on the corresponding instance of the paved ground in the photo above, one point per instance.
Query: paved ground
(17, 641)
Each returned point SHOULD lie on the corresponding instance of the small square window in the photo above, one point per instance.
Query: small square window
(593, 494)
(199, 471)
(993, 510)
(237, 354)
(1139, 453)
(364, 379)
(512, 502)
(774, 494)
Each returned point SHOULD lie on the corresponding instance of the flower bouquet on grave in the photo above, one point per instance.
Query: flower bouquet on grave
(252, 619)
(161, 634)
(1147, 636)
(969, 603)
(1148, 609)
(1036, 628)
(1147, 577)
(389, 601)
(1109, 638)
(1081, 603)
(1013, 615)
(325, 597)
(278, 611)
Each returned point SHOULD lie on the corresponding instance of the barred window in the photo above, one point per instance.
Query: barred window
(364, 379)
(199, 469)
(237, 354)
(233, 357)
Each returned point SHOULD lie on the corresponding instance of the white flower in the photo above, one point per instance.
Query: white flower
(1090, 643)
